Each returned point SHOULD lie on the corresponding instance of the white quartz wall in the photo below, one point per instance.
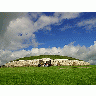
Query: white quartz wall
(35, 62)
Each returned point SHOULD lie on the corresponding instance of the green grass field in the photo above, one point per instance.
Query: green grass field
(53, 75)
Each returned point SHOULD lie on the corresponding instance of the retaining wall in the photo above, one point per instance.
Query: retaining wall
(56, 62)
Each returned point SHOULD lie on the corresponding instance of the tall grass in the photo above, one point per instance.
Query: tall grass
(54, 75)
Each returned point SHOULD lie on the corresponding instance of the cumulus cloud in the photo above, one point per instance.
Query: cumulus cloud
(17, 30)
(88, 54)
(6, 17)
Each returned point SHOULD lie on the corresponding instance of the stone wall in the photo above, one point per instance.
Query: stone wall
(56, 62)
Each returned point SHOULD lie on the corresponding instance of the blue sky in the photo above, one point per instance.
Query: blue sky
(50, 33)
(66, 32)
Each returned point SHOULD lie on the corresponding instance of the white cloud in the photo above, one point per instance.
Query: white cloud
(18, 29)
(47, 28)
(21, 26)
(78, 52)
(66, 15)
(34, 15)
(66, 27)
(44, 21)
(88, 24)
(35, 50)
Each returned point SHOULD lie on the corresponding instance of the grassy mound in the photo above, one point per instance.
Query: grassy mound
(54, 75)
(47, 56)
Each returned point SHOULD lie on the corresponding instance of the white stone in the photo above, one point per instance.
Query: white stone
(53, 62)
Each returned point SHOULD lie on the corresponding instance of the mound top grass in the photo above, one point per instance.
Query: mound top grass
(53, 75)
(47, 56)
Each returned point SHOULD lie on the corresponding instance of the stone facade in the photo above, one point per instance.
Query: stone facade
(56, 62)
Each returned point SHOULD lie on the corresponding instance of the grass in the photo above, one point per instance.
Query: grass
(47, 56)
(53, 75)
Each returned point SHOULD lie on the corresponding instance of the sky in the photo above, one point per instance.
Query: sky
(24, 34)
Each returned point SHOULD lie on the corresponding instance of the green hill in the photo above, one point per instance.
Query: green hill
(47, 56)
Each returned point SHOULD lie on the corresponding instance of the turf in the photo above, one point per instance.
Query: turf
(53, 75)
(47, 56)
